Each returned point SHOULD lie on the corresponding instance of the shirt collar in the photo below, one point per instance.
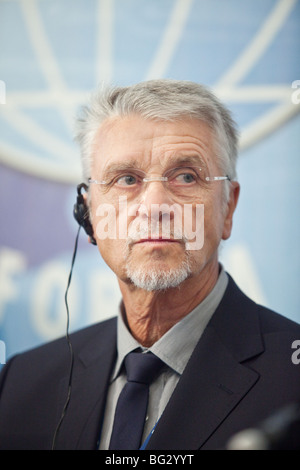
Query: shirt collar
(173, 348)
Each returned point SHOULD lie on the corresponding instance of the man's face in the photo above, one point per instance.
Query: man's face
(154, 259)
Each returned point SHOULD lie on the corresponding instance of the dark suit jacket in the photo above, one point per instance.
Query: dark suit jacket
(240, 372)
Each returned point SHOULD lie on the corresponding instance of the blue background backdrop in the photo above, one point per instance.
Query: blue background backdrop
(52, 54)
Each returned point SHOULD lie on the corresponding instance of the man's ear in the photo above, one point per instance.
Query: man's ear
(230, 208)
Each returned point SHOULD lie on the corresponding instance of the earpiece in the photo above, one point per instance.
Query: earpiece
(81, 213)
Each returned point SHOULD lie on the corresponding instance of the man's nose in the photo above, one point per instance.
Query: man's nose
(154, 199)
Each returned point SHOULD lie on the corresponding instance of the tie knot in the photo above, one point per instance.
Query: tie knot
(142, 368)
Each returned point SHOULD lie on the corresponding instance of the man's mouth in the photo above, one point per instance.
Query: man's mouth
(157, 240)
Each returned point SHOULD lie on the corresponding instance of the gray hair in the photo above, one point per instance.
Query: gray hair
(162, 100)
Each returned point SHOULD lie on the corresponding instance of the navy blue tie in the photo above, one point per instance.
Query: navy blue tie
(130, 415)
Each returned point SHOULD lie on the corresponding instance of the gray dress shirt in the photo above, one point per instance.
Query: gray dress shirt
(174, 348)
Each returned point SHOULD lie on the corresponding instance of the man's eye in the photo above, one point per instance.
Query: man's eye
(185, 178)
(126, 180)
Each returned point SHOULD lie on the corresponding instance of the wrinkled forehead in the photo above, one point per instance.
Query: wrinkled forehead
(144, 143)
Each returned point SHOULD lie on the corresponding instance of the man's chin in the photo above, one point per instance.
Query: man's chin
(159, 278)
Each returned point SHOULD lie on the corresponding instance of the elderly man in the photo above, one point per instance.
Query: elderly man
(189, 360)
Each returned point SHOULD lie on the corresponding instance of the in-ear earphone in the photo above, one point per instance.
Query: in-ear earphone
(81, 213)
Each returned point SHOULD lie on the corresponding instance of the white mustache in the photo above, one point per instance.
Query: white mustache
(153, 230)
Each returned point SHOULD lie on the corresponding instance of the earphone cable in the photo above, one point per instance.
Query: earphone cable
(69, 344)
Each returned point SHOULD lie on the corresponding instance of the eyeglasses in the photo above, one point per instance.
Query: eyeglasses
(183, 182)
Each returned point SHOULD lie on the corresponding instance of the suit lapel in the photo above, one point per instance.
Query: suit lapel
(214, 381)
(81, 426)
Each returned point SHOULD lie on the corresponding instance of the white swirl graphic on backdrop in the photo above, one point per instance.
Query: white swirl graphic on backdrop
(57, 158)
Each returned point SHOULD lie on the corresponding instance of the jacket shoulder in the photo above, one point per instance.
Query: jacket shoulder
(269, 319)
(274, 322)
(56, 353)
